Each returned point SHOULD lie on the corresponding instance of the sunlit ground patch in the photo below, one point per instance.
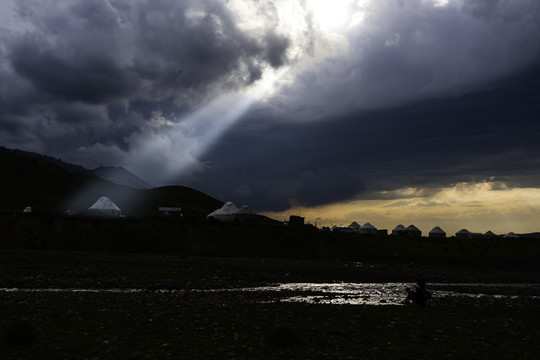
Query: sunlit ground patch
(334, 293)
(394, 293)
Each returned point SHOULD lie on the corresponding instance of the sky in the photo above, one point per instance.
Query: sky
(420, 112)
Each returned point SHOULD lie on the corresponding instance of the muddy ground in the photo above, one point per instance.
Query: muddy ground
(238, 325)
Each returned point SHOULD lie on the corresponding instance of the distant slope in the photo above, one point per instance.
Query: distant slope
(120, 176)
(117, 175)
(48, 188)
(72, 168)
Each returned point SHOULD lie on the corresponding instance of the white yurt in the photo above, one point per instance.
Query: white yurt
(511, 235)
(354, 225)
(412, 230)
(245, 213)
(463, 233)
(399, 230)
(226, 213)
(437, 232)
(245, 210)
(105, 207)
(490, 234)
(367, 228)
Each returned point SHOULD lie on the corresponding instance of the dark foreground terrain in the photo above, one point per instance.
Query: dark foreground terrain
(187, 324)
(175, 312)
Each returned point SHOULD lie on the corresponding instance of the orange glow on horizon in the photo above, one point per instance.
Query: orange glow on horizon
(476, 207)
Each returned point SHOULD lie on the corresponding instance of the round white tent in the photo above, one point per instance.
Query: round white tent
(245, 210)
(245, 213)
(367, 228)
(412, 230)
(227, 212)
(105, 207)
(399, 230)
(437, 232)
(463, 233)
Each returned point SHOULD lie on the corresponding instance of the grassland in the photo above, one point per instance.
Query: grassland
(217, 326)
(48, 252)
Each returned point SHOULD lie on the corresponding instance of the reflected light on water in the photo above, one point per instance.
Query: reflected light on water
(326, 293)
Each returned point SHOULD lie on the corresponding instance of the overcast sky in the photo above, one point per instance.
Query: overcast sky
(283, 105)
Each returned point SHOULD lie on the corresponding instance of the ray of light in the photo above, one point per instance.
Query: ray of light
(177, 146)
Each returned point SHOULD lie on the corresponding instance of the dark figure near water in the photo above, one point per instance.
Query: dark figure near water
(419, 295)
(421, 283)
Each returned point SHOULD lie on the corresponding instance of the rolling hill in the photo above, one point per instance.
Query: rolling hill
(48, 188)
(120, 176)
(115, 174)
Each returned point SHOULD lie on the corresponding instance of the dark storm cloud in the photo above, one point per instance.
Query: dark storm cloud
(323, 186)
(276, 49)
(168, 55)
(81, 77)
(413, 50)
(481, 8)
(490, 135)
(412, 95)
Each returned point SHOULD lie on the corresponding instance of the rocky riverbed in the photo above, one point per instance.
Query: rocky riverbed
(173, 307)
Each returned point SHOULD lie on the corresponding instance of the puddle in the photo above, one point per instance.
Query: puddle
(343, 293)
(327, 293)
(393, 293)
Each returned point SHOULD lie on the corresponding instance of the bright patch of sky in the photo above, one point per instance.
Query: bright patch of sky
(440, 3)
(214, 117)
(476, 207)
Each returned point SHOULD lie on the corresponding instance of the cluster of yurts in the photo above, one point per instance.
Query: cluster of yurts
(229, 212)
(412, 230)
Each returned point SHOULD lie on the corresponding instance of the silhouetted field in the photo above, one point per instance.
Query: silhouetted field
(192, 237)
(47, 252)
(221, 326)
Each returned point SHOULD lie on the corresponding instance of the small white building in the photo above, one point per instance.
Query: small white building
(104, 207)
(437, 232)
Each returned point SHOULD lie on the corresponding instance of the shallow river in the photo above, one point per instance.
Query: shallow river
(334, 293)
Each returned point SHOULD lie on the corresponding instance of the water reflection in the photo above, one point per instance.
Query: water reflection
(343, 293)
(333, 293)
(393, 293)
(385, 293)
